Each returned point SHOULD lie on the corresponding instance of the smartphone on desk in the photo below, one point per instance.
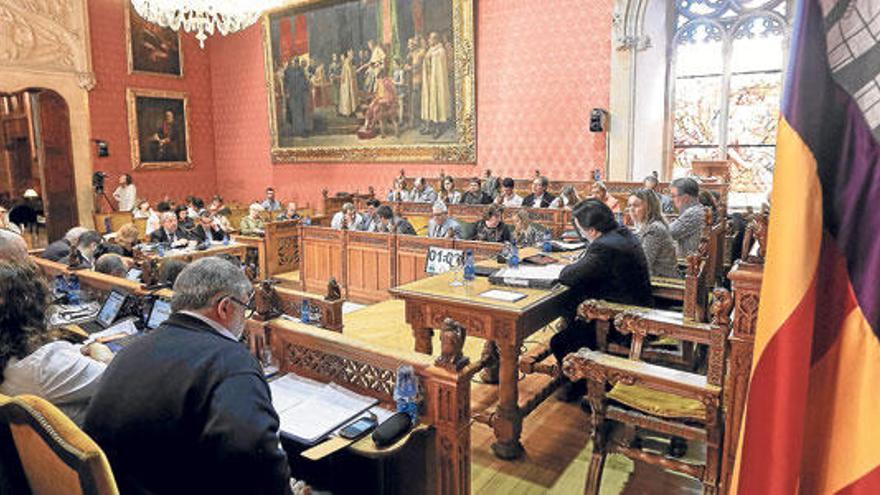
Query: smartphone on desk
(358, 429)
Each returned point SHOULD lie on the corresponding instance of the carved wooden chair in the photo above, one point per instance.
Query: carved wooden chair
(627, 395)
(699, 277)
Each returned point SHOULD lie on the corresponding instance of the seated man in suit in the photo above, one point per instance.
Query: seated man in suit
(474, 195)
(347, 219)
(169, 233)
(207, 230)
(289, 213)
(688, 227)
(441, 224)
(369, 221)
(88, 248)
(491, 228)
(613, 268)
(422, 192)
(60, 249)
(539, 198)
(387, 222)
(185, 409)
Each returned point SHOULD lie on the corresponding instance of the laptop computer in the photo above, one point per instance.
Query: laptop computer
(160, 312)
(107, 314)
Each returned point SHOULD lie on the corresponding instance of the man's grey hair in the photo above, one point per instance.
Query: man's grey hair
(12, 247)
(686, 185)
(167, 215)
(72, 235)
(111, 264)
(201, 282)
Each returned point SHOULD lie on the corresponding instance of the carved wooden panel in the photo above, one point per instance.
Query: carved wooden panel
(369, 259)
(322, 258)
(282, 247)
(342, 370)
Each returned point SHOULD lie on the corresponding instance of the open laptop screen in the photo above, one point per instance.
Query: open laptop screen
(110, 309)
(158, 314)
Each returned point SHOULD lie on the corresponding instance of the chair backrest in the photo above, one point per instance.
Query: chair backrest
(12, 479)
(55, 455)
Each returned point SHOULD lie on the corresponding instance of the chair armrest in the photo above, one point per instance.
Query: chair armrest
(599, 367)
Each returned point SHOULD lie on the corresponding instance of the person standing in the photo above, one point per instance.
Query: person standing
(436, 100)
(126, 193)
(347, 86)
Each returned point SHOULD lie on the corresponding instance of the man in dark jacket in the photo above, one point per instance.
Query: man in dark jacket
(186, 409)
(613, 268)
(539, 198)
(60, 249)
(474, 195)
(169, 232)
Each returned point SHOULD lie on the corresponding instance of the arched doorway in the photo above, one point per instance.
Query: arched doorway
(36, 162)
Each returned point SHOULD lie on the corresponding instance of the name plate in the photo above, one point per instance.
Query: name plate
(441, 260)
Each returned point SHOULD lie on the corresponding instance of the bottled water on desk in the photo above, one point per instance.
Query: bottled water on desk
(73, 292)
(307, 221)
(60, 286)
(470, 271)
(304, 311)
(513, 256)
(547, 245)
(406, 391)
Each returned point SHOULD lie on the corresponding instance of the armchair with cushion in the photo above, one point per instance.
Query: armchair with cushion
(53, 454)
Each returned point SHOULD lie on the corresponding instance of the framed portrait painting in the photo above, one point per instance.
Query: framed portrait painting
(152, 49)
(371, 81)
(158, 128)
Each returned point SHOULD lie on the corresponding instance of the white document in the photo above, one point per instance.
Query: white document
(568, 246)
(310, 410)
(503, 295)
(546, 272)
(125, 326)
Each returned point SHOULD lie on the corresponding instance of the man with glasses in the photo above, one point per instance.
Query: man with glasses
(688, 227)
(186, 409)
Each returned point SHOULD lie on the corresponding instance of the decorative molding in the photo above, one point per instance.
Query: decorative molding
(628, 27)
(47, 36)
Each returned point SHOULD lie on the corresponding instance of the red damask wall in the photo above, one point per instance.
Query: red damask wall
(541, 66)
(109, 114)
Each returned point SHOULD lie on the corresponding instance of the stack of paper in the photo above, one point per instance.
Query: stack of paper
(310, 410)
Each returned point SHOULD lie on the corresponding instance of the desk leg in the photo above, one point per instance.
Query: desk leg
(424, 338)
(508, 420)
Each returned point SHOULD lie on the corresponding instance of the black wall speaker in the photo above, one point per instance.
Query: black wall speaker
(598, 120)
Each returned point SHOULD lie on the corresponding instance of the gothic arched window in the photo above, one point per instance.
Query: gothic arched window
(727, 71)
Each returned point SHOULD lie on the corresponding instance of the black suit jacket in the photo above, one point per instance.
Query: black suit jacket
(546, 199)
(613, 268)
(187, 410)
(160, 236)
(57, 251)
(200, 234)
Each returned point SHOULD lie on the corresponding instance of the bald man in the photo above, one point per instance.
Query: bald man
(12, 247)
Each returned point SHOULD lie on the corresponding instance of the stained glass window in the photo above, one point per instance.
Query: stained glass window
(727, 82)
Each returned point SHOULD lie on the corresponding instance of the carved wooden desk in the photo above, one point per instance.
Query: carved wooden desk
(429, 301)
(189, 255)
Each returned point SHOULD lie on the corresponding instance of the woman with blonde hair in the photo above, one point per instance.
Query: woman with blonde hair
(650, 227)
(253, 223)
(525, 231)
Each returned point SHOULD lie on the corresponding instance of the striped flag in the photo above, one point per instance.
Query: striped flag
(812, 421)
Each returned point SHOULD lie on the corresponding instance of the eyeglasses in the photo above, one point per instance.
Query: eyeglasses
(250, 306)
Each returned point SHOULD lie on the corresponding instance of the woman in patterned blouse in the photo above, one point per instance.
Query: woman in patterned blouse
(650, 227)
(525, 231)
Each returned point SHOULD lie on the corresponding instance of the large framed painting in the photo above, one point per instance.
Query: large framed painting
(152, 49)
(371, 81)
(158, 127)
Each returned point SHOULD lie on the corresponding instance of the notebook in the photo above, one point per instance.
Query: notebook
(310, 410)
(538, 277)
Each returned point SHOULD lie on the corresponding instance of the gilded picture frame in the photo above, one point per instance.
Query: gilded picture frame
(150, 49)
(159, 141)
(405, 142)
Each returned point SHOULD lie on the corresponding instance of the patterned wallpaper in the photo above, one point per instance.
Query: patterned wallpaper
(541, 67)
(109, 113)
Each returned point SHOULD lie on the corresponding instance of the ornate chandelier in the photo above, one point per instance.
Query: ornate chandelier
(202, 17)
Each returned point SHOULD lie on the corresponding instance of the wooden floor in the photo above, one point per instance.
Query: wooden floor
(555, 435)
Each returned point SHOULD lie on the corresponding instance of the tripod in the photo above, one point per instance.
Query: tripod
(100, 193)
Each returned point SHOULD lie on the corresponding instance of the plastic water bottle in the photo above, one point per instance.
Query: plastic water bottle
(160, 249)
(107, 227)
(307, 221)
(304, 311)
(60, 286)
(513, 257)
(406, 391)
(225, 238)
(469, 271)
(547, 246)
(73, 292)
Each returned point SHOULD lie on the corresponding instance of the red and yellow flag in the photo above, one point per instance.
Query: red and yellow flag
(812, 419)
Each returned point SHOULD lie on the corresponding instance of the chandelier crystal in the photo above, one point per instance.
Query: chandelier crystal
(202, 17)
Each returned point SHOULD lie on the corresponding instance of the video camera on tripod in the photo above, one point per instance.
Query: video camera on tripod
(98, 182)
